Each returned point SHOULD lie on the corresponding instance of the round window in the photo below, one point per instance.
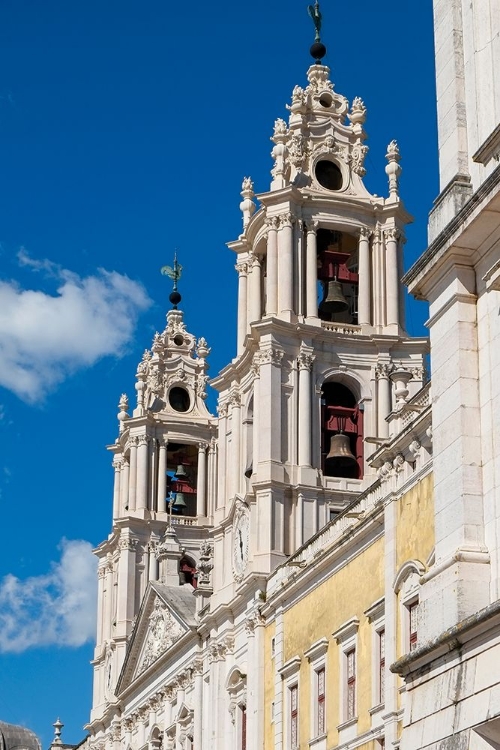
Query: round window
(179, 399)
(328, 175)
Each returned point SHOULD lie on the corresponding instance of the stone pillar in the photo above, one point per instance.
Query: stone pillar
(311, 272)
(285, 271)
(124, 485)
(384, 400)
(259, 700)
(305, 362)
(125, 610)
(162, 476)
(236, 470)
(198, 703)
(108, 601)
(242, 269)
(391, 237)
(117, 465)
(201, 482)
(142, 472)
(272, 267)
(101, 575)
(365, 278)
(132, 494)
(221, 467)
(299, 521)
(256, 415)
(255, 300)
(153, 562)
(212, 477)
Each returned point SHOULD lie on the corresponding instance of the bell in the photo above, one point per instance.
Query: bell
(340, 455)
(179, 502)
(180, 472)
(334, 301)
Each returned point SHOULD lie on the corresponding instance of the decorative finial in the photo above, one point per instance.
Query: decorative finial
(393, 169)
(174, 273)
(318, 49)
(58, 725)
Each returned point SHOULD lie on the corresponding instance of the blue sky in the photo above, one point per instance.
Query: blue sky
(125, 131)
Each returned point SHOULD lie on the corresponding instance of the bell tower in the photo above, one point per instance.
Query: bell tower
(323, 356)
(164, 492)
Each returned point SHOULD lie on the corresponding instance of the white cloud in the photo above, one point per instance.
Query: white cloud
(45, 338)
(56, 609)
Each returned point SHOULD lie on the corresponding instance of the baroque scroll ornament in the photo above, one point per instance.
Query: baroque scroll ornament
(163, 632)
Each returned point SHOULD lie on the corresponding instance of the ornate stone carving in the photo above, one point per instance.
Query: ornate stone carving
(357, 115)
(305, 360)
(269, 356)
(222, 409)
(234, 399)
(398, 463)
(128, 543)
(383, 369)
(280, 131)
(205, 564)
(242, 268)
(358, 153)
(272, 222)
(392, 234)
(202, 348)
(365, 233)
(164, 630)
(393, 169)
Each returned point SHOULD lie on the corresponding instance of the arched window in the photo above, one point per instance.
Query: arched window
(187, 571)
(337, 276)
(342, 432)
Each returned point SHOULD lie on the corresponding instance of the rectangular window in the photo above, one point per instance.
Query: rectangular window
(294, 718)
(413, 621)
(381, 666)
(243, 717)
(320, 681)
(351, 683)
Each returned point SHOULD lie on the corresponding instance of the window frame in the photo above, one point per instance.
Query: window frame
(290, 675)
(376, 616)
(316, 656)
(347, 639)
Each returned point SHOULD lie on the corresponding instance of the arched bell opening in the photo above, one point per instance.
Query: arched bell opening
(182, 476)
(338, 280)
(248, 426)
(342, 432)
(187, 571)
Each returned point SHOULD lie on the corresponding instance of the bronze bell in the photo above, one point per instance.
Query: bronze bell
(179, 502)
(340, 455)
(334, 301)
(180, 472)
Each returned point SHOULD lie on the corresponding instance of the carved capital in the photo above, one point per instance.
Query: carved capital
(222, 409)
(272, 222)
(242, 268)
(287, 219)
(383, 370)
(365, 233)
(132, 441)
(392, 234)
(143, 440)
(312, 226)
(272, 355)
(127, 543)
(305, 361)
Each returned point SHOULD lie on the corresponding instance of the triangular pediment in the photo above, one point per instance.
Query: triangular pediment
(166, 615)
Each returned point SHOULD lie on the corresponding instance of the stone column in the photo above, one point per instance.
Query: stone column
(382, 372)
(162, 476)
(212, 477)
(242, 269)
(259, 700)
(132, 494)
(391, 237)
(285, 254)
(305, 362)
(201, 482)
(124, 485)
(125, 610)
(272, 266)
(117, 465)
(142, 472)
(198, 703)
(299, 521)
(311, 272)
(256, 414)
(236, 469)
(365, 278)
(101, 574)
(221, 468)
(255, 301)
(153, 562)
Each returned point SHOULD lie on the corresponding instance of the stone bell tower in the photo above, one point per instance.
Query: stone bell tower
(323, 357)
(164, 492)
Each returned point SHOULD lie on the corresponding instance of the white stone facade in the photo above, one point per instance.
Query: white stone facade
(182, 667)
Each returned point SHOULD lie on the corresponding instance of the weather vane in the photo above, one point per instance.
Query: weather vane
(315, 14)
(318, 49)
(173, 272)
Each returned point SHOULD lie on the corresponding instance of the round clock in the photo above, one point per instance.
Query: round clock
(241, 533)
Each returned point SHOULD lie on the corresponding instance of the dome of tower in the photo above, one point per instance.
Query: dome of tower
(13, 737)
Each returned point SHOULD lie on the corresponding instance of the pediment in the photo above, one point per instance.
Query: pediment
(166, 615)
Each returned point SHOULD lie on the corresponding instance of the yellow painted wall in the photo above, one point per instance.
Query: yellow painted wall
(346, 594)
(415, 523)
(269, 634)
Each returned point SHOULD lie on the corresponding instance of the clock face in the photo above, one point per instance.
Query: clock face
(241, 531)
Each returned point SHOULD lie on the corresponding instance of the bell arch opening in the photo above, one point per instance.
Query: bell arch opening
(341, 432)
(338, 280)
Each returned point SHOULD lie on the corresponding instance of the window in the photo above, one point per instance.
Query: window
(346, 637)
(320, 701)
(381, 666)
(413, 625)
(351, 683)
(294, 717)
